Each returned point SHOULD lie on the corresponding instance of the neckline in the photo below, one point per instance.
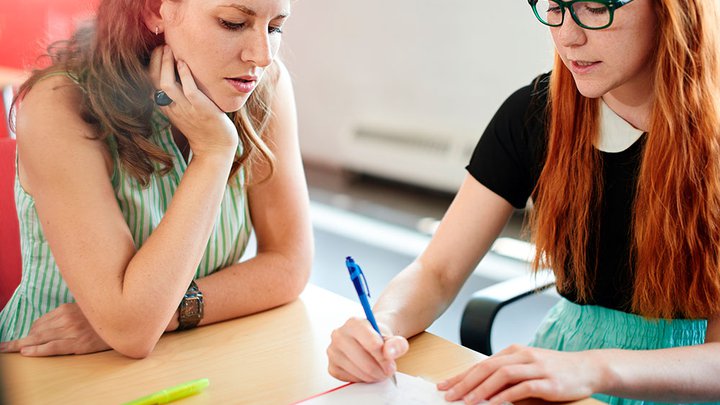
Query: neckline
(616, 135)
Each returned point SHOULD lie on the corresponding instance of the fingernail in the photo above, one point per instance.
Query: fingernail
(469, 398)
(392, 351)
(450, 395)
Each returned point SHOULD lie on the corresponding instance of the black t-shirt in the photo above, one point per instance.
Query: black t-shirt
(508, 160)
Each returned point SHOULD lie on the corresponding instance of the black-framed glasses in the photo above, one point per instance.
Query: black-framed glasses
(589, 14)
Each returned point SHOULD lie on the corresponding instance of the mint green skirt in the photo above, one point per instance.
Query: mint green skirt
(572, 327)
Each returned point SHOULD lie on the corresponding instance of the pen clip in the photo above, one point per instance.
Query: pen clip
(355, 273)
(362, 275)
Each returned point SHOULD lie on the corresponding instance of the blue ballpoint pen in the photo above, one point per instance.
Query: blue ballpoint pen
(363, 292)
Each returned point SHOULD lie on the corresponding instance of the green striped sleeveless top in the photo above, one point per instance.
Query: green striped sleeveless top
(42, 288)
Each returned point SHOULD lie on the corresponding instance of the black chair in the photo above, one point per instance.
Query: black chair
(483, 307)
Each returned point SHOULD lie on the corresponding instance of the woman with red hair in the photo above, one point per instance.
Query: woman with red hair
(619, 149)
(156, 142)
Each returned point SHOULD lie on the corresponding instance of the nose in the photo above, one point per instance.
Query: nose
(569, 33)
(258, 50)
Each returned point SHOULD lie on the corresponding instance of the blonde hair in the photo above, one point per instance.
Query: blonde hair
(109, 60)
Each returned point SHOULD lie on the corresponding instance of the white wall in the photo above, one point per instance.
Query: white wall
(441, 67)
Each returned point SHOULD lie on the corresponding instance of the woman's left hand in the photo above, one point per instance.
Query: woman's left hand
(64, 330)
(520, 372)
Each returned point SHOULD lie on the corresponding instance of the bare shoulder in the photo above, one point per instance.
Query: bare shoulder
(50, 131)
(50, 102)
(283, 99)
(282, 77)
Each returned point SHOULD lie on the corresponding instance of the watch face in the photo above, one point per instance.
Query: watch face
(191, 309)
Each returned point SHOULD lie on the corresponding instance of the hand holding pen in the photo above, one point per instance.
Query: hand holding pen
(363, 292)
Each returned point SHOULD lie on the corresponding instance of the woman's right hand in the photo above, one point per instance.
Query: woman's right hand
(207, 128)
(358, 354)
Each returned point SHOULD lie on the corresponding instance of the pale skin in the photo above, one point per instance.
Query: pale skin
(126, 297)
(423, 290)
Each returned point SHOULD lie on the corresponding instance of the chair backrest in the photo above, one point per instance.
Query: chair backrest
(10, 260)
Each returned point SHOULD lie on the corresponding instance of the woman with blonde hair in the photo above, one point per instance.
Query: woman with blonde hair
(153, 145)
(619, 149)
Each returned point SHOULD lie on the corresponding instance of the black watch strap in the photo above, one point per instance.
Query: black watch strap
(191, 308)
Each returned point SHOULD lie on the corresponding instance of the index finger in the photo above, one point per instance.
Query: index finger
(10, 346)
(155, 64)
(370, 340)
(450, 382)
(361, 332)
(189, 87)
(457, 387)
(167, 77)
(15, 345)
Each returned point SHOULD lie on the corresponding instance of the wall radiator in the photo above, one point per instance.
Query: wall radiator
(432, 160)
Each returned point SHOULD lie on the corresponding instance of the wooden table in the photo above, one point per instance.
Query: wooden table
(274, 357)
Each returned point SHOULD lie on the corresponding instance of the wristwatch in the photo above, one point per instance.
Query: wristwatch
(191, 308)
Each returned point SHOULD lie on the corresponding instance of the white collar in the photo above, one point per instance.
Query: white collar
(616, 134)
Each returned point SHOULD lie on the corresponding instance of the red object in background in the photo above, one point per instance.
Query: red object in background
(27, 27)
(10, 260)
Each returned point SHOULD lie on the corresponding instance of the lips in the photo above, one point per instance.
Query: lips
(582, 66)
(243, 84)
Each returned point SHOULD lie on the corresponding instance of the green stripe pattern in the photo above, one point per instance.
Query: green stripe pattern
(42, 288)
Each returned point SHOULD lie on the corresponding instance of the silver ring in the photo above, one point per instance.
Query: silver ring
(162, 99)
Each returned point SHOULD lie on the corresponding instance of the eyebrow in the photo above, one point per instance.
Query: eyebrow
(252, 12)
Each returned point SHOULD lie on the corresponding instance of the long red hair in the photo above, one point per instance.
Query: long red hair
(676, 212)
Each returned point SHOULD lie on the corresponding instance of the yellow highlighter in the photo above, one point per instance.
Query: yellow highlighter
(172, 393)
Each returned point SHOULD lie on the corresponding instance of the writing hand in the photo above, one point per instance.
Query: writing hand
(358, 354)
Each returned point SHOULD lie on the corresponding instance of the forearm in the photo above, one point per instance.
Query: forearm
(424, 290)
(683, 374)
(266, 281)
(175, 248)
(412, 301)
(158, 274)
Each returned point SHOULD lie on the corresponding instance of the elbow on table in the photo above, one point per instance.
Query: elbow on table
(135, 348)
(137, 342)
(300, 275)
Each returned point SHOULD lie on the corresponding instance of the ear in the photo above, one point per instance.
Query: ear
(151, 16)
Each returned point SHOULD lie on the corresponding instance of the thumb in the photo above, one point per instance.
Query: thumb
(395, 347)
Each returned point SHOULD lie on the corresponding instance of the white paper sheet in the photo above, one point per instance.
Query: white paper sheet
(409, 391)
